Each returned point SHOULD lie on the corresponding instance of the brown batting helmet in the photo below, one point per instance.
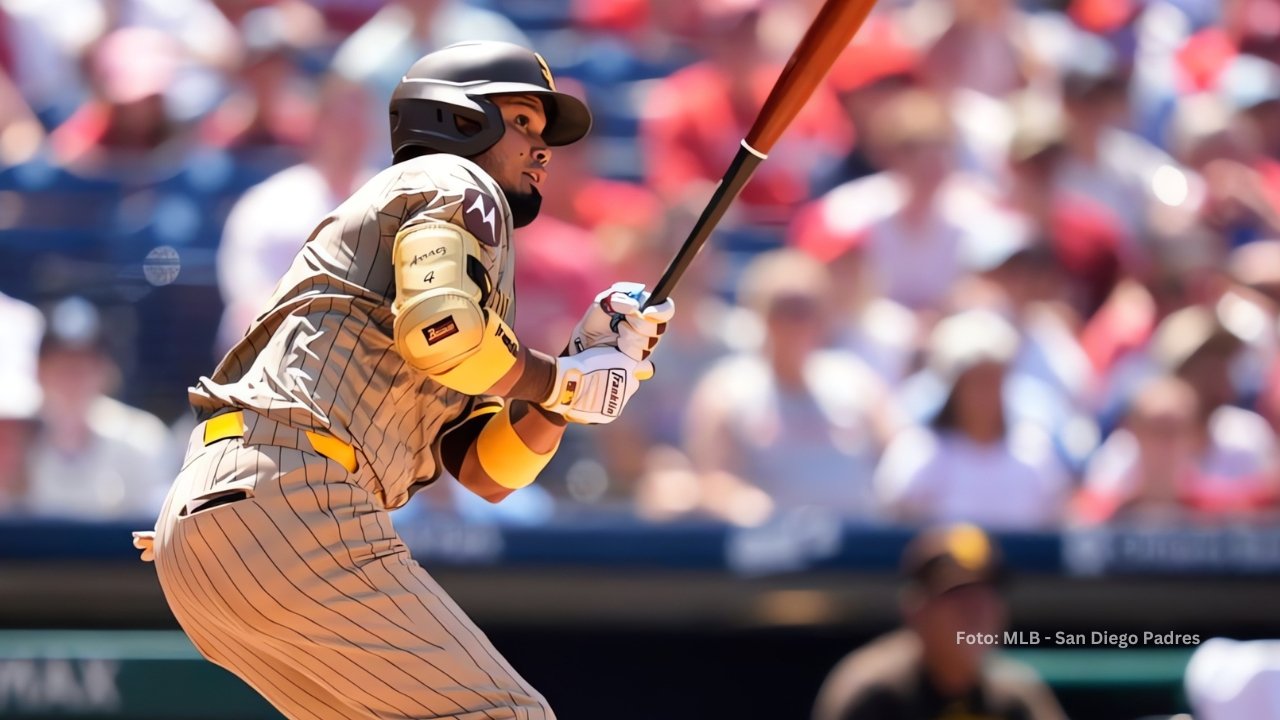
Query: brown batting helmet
(457, 81)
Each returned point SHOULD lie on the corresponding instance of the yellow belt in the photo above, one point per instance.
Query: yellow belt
(231, 425)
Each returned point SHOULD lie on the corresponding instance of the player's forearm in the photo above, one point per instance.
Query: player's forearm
(540, 429)
(510, 450)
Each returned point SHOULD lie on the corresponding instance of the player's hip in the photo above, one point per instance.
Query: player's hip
(284, 502)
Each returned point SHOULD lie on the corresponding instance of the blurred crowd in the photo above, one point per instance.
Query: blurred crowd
(1015, 263)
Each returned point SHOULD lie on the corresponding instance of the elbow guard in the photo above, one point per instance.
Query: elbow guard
(441, 325)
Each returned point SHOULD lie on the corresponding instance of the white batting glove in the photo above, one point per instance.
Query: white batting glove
(638, 329)
(593, 386)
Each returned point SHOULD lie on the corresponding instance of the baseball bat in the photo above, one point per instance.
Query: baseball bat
(828, 34)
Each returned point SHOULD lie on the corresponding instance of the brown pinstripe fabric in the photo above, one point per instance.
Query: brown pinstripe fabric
(305, 591)
(301, 587)
(322, 356)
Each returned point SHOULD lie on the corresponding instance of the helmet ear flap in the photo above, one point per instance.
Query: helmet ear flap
(428, 118)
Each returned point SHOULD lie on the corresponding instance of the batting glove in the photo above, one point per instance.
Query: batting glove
(594, 385)
(618, 317)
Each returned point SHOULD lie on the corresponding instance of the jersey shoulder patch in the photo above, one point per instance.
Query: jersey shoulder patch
(448, 188)
(480, 216)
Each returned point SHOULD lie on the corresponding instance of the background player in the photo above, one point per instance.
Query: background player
(954, 586)
(386, 356)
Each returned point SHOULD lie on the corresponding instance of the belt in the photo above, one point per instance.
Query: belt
(231, 425)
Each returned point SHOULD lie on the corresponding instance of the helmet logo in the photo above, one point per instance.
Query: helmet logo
(546, 72)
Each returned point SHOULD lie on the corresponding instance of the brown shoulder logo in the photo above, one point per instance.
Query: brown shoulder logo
(480, 216)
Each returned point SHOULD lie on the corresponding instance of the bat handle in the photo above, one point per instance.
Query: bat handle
(739, 172)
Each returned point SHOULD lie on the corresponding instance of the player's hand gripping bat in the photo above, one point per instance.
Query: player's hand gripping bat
(826, 37)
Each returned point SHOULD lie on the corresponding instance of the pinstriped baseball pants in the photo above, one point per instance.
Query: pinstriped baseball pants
(293, 579)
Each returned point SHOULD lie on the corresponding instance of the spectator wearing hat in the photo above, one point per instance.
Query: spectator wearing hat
(928, 670)
(791, 424)
(975, 462)
(94, 457)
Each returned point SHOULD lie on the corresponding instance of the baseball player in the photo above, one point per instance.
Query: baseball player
(385, 356)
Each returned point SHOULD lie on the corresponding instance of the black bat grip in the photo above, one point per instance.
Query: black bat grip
(739, 172)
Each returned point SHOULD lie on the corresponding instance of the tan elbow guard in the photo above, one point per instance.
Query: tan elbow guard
(441, 326)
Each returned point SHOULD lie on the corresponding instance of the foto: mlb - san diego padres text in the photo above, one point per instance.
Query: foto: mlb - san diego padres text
(1093, 638)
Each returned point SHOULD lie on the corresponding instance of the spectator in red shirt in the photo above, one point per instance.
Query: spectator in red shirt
(694, 120)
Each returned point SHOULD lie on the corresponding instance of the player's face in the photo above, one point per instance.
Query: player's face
(975, 609)
(518, 161)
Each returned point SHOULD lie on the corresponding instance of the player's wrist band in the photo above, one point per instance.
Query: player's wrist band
(503, 455)
(493, 358)
(537, 379)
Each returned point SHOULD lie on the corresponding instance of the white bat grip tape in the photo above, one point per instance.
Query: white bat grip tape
(754, 151)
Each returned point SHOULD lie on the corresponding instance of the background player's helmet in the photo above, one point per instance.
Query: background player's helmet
(456, 82)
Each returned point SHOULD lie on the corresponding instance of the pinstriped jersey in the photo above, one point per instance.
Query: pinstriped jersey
(322, 356)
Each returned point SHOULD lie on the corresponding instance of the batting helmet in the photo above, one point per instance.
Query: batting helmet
(457, 82)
